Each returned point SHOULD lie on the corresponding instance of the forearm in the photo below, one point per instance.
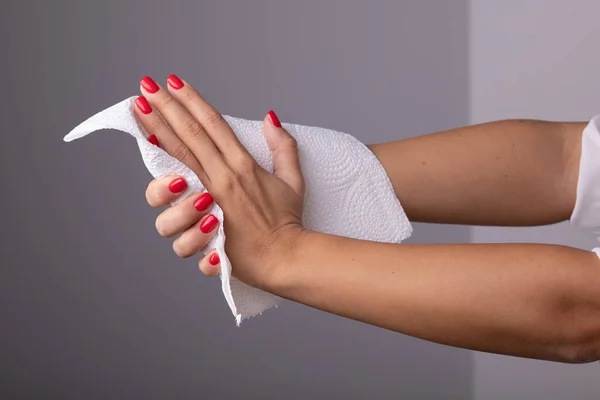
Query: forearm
(514, 172)
(536, 301)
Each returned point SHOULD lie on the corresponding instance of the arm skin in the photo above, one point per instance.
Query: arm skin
(504, 173)
(527, 300)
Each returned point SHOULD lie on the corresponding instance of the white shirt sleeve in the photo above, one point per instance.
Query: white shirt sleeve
(586, 213)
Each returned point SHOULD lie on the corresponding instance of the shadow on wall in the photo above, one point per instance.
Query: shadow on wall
(94, 303)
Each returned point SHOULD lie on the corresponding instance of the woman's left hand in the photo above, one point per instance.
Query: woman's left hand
(263, 211)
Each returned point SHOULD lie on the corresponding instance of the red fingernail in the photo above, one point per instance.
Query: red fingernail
(154, 140)
(274, 119)
(209, 223)
(143, 105)
(149, 85)
(174, 81)
(203, 202)
(214, 259)
(178, 185)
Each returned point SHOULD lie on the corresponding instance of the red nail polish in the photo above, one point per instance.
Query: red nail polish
(149, 85)
(174, 81)
(214, 259)
(274, 119)
(203, 202)
(143, 105)
(209, 223)
(154, 140)
(178, 185)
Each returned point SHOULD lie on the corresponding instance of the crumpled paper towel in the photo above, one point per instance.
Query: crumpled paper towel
(348, 192)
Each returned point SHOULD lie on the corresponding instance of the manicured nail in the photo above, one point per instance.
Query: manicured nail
(174, 81)
(142, 104)
(274, 119)
(178, 185)
(149, 85)
(203, 201)
(214, 259)
(209, 223)
(154, 140)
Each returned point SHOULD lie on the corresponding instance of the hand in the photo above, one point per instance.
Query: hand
(262, 211)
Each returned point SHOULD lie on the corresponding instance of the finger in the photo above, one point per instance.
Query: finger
(210, 264)
(182, 216)
(212, 121)
(286, 159)
(161, 135)
(186, 127)
(196, 237)
(165, 190)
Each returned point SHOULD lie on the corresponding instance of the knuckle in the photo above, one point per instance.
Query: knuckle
(192, 127)
(213, 117)
(180, 250)
(161, 228)
(154, 125)
(223, 187)
(182, 153)
(289, 146)
(225, 183)
(245, 164)
(290, 141)
(189, 94)
(167, 101)
(153, 196)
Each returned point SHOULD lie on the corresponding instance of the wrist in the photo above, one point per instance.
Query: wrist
(286, 260)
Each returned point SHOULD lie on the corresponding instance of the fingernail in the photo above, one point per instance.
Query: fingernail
(209, 223)
(203, 201)
(174, 81)
(154, 140)
(143, 105)
(178, 185)
(149, 85)
(214, 259)
(274, 118)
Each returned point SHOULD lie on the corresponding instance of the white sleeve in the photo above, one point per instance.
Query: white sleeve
(586, 213)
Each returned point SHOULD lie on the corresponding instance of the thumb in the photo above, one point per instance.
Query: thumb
(286, 160)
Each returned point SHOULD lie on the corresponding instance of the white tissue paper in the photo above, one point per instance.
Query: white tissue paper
(348, 192)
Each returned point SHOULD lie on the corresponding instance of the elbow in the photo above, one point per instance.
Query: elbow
(574, 313)
(578, 354)
(580, 343)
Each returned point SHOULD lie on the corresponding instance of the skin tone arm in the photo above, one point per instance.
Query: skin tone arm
(528, 300)
(514, 172)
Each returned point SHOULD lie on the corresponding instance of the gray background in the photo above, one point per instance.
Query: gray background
(93, 302)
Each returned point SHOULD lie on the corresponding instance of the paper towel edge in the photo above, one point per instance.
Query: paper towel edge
(404, 221)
